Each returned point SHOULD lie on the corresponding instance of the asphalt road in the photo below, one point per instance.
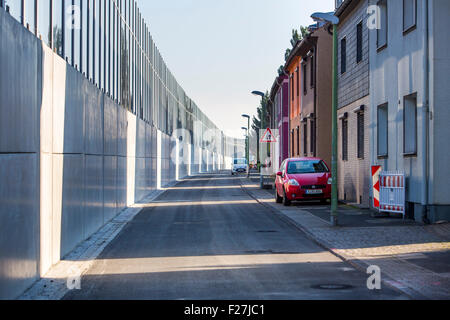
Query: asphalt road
(207, 239)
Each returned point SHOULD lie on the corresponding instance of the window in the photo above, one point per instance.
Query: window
(305, 138)
(298, 82)
(307, 167)
(360, 128)
(382, 32)
(298, 140)
(292, 143)
(292, 88)
(359, 42)
(313, 137)
(344, 139)
(44, 22)
(409, 14)
(305, 87)
(382, 130)
(410, 125)
(312, 73)
(343, 55)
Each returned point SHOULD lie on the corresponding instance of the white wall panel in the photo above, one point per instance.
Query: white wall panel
(68, 203)
(19, 98)
(94, 120)
(19, 223)
(68, 109)
(110, 119)
(110, 192)
(93, 195)
(121, 183)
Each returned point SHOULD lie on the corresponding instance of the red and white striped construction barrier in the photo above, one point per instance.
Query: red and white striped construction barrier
(376, 170)
(392, 192)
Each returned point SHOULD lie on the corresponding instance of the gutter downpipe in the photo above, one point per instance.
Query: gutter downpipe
(288, 115)
(425, 116)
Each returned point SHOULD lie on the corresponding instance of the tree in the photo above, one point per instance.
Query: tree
(287, 54)
(281, 70)
(296, 37)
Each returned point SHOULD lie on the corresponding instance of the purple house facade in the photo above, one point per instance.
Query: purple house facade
(279, 113)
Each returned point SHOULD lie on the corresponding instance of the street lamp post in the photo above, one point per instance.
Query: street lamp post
(263, 116)
(332, 19)
(248, 143)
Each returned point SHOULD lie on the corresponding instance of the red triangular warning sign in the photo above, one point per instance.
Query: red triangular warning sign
(268, 136)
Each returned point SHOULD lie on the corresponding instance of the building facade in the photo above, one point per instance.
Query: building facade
(293, 70)
(316, 93)
(409, 73)
(279, 100)
(354, 176)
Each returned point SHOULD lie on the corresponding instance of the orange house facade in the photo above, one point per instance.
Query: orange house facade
(293, 70)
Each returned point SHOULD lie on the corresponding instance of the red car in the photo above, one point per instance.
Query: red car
(303, 179)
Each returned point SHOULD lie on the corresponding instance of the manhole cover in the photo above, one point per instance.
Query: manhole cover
(332, 287)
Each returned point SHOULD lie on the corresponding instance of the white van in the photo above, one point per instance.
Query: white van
(239, 166)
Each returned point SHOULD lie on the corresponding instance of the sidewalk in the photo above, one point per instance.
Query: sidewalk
(413, 258)
(54, 285)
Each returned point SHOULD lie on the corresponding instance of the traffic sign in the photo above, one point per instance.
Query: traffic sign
(268, 137)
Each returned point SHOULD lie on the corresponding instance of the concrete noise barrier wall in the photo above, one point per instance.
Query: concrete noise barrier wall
(71, 158)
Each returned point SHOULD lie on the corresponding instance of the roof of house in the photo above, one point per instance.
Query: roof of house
(345, 6)
(276, 85)
(301, 48)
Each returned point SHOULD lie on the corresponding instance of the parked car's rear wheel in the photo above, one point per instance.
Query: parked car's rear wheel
(286, 201)
(277, 196)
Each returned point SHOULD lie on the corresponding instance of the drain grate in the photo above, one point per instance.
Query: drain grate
(332, 287)
(267, 231)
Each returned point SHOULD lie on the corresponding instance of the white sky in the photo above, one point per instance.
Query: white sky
(221, 50)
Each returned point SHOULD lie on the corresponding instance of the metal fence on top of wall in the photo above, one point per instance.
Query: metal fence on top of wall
(110, 43)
